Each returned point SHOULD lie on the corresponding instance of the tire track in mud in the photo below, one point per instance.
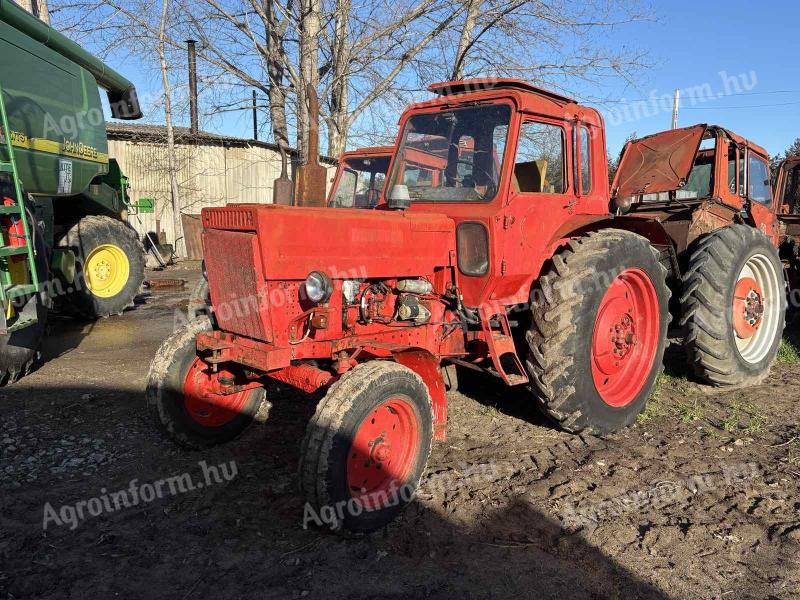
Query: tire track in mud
(695, 514)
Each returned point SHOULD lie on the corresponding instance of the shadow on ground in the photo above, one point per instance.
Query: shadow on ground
(244, 537)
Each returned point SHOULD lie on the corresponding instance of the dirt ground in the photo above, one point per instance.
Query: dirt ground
(698, 500)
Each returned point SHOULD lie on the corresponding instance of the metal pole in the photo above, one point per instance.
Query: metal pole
(195, 124)
(255, 117)
(675, 106)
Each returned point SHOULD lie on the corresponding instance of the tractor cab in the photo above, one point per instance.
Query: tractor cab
(508, 163)
(361, 174)
(703, 176)
(787, 187)
(359, 178)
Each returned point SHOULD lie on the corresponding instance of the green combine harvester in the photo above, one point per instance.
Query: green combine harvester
(63, 235)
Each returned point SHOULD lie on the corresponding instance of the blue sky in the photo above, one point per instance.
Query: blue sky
(692, 43)
(736, 62)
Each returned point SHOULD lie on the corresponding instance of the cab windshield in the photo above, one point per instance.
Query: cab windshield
(360, 183)
(452, 156)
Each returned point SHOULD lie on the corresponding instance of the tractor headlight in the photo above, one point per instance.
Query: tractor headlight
(318, 287)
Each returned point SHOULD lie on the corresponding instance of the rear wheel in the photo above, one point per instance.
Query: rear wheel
(598, 332)
(367, 446)
(20, 349)
(734, 306)
(110, 266)
(183, 394)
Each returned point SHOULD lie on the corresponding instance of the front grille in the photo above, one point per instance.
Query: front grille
(236, 282)
(230, 217)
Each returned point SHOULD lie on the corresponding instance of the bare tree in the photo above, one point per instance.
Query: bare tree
(177, 223)
(466, 38)
(38, 8)
(368, 58)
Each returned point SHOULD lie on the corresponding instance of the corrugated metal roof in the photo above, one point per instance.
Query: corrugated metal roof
(130, 132)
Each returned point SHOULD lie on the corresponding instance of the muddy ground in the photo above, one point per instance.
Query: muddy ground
(698, 500)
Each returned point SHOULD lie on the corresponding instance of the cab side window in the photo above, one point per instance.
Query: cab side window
(586, 160)
(759, 182)
(539, 166)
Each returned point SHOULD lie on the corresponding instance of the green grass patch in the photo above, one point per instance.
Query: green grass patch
(789, 352)
(688, 412)
(656, 408)
(489, 411)
(745, 417)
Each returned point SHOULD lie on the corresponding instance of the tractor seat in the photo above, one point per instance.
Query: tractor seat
(529, 177)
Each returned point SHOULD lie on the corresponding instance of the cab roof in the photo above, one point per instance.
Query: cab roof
(368, 151)
(527, 97)
(452, 88)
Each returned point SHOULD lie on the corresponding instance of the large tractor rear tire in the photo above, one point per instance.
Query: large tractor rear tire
(733, 306)
(20, 349)
(109, 264)
(598, 333)
(183, 400)
(366, 447)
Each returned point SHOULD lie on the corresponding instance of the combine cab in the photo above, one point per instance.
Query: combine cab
(495, 246)
(58, 173)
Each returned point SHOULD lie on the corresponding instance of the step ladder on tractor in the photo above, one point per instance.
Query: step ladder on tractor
(18, 276)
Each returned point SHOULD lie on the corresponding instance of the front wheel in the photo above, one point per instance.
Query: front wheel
(183, 394)
(598, 333)
(366, 447)
(734, 306)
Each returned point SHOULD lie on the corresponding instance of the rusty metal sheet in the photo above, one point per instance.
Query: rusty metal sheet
(192, 236)
(658, 163)
(710, 217)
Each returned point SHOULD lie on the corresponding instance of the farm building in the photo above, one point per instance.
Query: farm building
(213, 170)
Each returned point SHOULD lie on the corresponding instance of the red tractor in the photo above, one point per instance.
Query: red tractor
(511, 258)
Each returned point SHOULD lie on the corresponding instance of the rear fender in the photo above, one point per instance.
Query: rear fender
(648, 228)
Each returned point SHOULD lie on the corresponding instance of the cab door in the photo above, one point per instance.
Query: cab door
(541, 196)
(759, 194)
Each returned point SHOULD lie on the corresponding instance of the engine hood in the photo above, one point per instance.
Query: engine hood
(345, 243)
(657, 163)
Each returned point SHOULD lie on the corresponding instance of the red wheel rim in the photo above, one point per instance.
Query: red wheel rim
(383, 451)
(626, 336)
(748, 307)
(202, 400)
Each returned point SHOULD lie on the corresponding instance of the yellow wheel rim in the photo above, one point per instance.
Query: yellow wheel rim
(107, 271)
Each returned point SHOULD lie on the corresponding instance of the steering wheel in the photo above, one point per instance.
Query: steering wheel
(491, 186)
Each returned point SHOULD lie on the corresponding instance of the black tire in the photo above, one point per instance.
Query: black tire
(20, 350)
(200, 301)
(565, 311)
(85, 236)
(330, 434)
(165, 396)
(717, 264)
